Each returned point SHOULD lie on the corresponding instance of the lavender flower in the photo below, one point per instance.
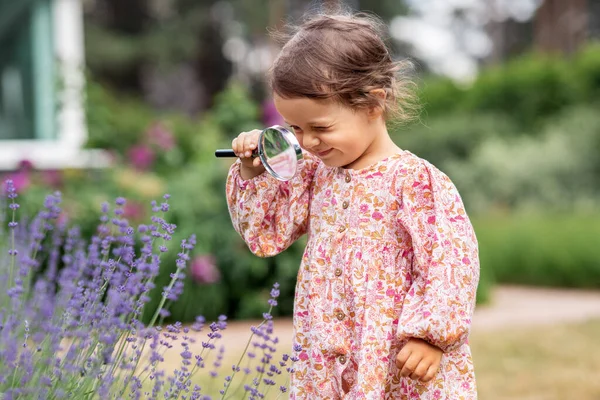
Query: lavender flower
(71, 311)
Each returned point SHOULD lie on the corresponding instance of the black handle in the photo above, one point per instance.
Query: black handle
(224, 153)
(229, 153)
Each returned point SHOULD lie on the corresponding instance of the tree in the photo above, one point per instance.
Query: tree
(134, 45)
(561, 26)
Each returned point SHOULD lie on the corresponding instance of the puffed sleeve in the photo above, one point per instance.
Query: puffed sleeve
(270, 214)
(445, 267)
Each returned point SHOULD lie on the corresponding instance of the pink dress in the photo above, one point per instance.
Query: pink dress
(391, 254)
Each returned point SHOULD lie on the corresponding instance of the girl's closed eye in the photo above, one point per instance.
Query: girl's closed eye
(295, 129)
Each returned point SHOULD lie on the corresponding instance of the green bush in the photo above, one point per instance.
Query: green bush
(119, 123)
(526, 89)
(452, 137)
(441, 95)
(234, 111)
(558, 169)
(541, 249)
(114, 121)
(487, 281)
(585, 72)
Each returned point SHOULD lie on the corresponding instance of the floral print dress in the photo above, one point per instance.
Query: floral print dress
(391, 254)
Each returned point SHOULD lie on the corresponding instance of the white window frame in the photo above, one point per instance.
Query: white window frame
(66, 150)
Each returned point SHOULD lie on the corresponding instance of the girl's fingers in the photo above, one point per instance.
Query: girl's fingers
(248, 145)
(431, 373)
(234, 146)
(238, 145)
(421, 370)
(411, 364)
(402, 357)
(251, 141)
(245, 144)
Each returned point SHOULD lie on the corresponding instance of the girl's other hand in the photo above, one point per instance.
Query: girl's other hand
(244, 146)
(419, 360)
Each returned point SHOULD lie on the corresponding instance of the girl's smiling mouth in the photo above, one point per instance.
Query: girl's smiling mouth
(324, 153)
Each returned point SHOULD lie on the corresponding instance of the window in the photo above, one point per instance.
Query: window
(42, 119)
(27, 78)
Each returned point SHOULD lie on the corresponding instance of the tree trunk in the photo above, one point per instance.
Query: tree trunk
(561, 25)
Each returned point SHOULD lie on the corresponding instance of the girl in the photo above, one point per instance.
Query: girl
(386, 287)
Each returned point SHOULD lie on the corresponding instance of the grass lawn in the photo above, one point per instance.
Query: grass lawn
(559, 362)
(543, 363)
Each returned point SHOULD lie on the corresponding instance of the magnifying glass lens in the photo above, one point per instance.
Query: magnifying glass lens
(279, 152)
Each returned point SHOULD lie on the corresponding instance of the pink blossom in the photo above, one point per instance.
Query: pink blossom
(63, 218)
(141, 157)
(203, 269)
(159, 135)
(133, 210)
(270, 115)
(21, 180)
(52, 178)
(25, 166)
(21, 177)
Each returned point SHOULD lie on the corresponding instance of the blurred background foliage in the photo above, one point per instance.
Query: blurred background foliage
(521, 142)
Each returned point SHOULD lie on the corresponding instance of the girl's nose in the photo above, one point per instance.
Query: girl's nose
(310, 140)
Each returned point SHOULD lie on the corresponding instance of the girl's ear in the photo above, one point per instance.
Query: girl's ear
(378, 110)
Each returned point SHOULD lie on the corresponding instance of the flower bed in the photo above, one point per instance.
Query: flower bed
(70, 316)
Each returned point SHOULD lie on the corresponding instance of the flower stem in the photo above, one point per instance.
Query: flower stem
(243, 355)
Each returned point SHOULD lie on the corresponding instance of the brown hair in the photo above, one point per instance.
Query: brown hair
(344, 58)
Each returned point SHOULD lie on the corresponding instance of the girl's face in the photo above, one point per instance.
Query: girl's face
(338, 135)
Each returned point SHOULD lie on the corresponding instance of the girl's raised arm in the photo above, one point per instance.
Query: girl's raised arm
(269, 214)
(440, 303)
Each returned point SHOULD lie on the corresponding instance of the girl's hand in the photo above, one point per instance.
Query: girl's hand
(419, 360)
(243, 146)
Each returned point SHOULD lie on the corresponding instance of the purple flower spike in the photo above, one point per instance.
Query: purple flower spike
(11, 191)
(80, 319)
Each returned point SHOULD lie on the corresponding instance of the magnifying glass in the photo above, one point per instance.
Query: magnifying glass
(278, 150)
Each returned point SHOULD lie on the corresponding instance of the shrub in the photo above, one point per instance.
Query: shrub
(449, 138)
(526, 89)
(556, 170)
(441, 95)
(585, 73)
(74, 330)
(541, 249)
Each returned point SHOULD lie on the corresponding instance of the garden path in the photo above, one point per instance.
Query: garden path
(510, 306)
